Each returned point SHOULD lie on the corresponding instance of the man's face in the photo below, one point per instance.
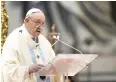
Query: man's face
(35, 23)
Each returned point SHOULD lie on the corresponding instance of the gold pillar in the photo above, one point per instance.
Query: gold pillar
(4, 22)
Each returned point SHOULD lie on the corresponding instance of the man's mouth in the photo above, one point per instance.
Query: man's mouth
(38, 31)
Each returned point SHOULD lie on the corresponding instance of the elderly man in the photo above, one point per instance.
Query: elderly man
(26, 51)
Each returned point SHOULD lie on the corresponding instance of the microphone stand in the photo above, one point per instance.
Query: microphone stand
(58, 40)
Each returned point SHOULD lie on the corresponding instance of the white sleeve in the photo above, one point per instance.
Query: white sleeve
(12, 71)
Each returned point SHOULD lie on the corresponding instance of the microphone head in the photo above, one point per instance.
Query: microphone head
(56, 37)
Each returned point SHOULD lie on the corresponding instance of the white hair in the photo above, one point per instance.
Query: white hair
(31, 11)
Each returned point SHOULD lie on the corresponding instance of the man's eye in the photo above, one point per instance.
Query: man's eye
(37, 22)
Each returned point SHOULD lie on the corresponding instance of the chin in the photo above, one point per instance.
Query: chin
(37, 34)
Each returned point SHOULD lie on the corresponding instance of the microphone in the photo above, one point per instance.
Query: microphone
(56, 37)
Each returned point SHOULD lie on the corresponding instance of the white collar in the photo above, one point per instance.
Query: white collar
(28, 37)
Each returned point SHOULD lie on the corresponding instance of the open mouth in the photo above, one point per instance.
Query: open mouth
(39, 31)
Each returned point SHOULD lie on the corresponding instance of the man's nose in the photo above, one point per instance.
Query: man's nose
(39, 27)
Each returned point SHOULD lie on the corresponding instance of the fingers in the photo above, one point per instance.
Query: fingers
(35, 68)
(40, 65)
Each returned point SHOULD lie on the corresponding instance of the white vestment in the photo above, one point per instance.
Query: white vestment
(16, 55)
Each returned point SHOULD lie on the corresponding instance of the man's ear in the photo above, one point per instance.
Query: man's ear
(26, 20)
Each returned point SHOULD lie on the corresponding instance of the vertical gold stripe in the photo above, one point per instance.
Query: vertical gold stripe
(4, 22)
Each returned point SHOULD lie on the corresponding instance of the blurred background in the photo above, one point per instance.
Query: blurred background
(89, 26)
